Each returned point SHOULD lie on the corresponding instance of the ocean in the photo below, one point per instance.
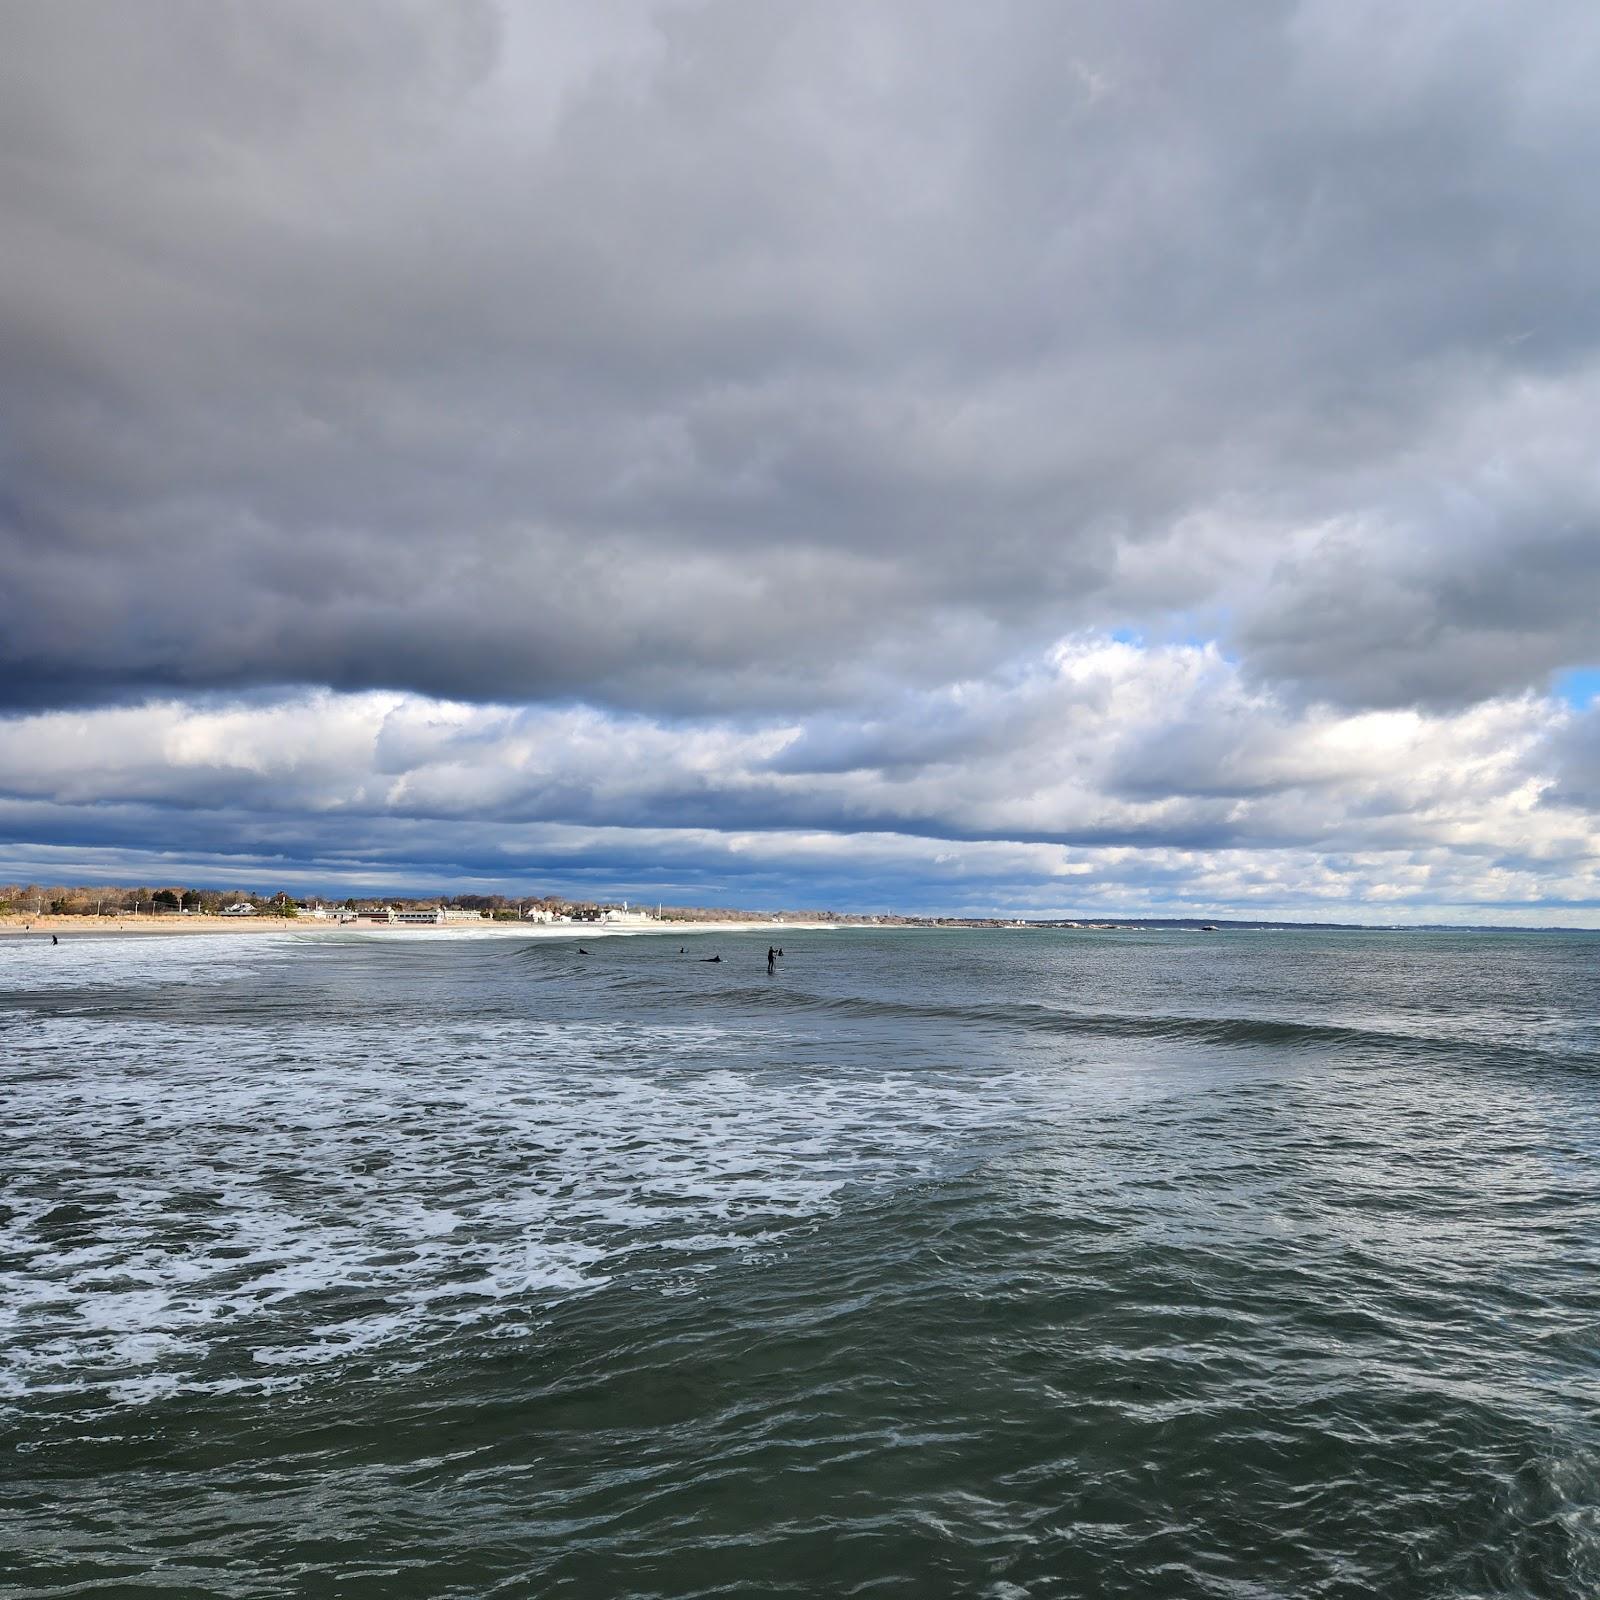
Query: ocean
(1002, 1264)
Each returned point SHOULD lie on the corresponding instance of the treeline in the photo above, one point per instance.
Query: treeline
(111, 900)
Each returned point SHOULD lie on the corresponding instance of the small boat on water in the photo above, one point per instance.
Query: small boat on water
(1208, 927)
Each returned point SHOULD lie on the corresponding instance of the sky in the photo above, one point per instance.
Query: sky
(1029, 458)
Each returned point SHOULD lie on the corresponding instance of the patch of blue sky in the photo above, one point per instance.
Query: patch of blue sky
(1186, 630)
(1578, 686)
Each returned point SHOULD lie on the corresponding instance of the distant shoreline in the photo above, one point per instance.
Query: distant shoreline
(139, 926)
(142, 925)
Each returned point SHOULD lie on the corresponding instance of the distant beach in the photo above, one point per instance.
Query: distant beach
(144, 924)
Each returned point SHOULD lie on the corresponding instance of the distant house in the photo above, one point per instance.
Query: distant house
(240, 908)
(330, 913)
(430, 914)
(623, 916)
(459, 914)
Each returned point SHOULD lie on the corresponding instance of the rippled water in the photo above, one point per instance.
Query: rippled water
(1001, 1264)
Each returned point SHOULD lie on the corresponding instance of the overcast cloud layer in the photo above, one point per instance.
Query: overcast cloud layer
(1029, 456)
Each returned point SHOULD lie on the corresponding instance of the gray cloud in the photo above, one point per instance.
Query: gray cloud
(1575, 764)
(715, 358)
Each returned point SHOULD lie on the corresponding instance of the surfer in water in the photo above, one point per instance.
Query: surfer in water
(772, 960)
(54, 940)
(582, 951)
(706, 959)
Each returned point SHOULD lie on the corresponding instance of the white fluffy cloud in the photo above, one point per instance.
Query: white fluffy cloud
(1104, 773)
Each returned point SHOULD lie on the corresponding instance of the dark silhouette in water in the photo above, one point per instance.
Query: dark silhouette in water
(772, 960)
(680, 950)
(582, 951)
(710, 958)
(54, 940)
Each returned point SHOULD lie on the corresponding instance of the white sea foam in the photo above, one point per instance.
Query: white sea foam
(31, 963)
(197, 1203)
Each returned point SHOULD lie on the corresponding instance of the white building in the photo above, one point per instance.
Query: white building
(626, 918)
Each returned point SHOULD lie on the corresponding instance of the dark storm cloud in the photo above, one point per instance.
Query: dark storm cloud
(728, 357)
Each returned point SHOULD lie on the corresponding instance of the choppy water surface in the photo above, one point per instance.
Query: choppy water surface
(1003, 1264)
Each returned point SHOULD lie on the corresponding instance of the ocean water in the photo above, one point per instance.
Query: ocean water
(1003, 1264)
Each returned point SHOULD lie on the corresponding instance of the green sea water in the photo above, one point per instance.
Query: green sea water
(998, 1264)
